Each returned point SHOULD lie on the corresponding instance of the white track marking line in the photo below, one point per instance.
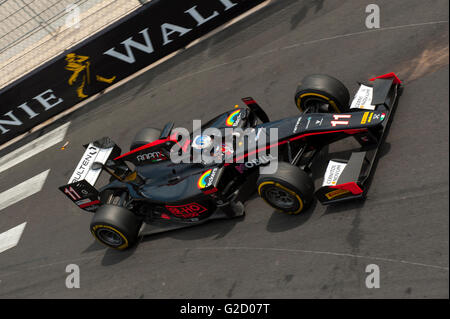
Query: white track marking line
(23, 190)
(339, 36)
(10, 238)
(282, 250)
(324, 253)
(289, 47)
(33, 148)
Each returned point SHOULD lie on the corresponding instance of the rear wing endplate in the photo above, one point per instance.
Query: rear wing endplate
(80, 187)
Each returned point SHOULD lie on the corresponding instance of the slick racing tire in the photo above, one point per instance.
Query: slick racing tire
(321, 93)
(289, 189)
(115, 227)
(145, 136)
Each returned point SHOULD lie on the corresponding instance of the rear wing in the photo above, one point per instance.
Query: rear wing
(80, 188)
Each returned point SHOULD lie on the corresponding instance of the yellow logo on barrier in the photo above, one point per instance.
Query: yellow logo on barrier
(79, 64)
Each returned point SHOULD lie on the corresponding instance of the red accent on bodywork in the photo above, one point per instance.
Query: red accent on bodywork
(157, 142)
(210, 191)
(186, 145)
(165, 216)
(174, 135)
(348, 131)
(90, 204)
(352, 187)
(187, 211)
(388, 76)
(174, 138)
(354, 131)
(250, 101)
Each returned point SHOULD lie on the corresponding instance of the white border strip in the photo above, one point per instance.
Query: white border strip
(23, 190)
(10, 238)
(134, 75)
(33, 148)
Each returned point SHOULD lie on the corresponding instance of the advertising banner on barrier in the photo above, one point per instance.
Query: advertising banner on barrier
(134, 42)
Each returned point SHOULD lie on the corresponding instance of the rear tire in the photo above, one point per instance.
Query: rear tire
(115, 227)
(289, 189)
(324, 92)
(145, 136)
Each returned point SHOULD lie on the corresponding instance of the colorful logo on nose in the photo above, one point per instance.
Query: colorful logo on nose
(202, 180)
(231, 119)
(201, 142)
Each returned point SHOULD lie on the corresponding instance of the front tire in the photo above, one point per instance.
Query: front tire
(115, 227)
(289, 190)
(322, 93)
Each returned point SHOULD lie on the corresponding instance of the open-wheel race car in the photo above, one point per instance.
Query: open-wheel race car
(149, 191)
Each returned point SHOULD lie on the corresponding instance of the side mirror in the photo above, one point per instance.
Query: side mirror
(166, 130)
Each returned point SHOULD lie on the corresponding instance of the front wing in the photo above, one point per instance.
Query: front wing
(349, 179)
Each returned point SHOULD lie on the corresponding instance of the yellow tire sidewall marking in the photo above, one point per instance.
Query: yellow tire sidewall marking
(285, 189)
(332, 103)
(124, 245)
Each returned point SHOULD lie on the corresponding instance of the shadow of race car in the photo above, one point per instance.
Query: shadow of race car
(164, 182)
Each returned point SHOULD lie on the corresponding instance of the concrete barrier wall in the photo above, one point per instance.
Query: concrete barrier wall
(132, 43)
(34, 32)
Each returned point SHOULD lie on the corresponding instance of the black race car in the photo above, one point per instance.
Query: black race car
(149, 191)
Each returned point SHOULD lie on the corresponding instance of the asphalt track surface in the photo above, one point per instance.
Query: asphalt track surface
(402, 227)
